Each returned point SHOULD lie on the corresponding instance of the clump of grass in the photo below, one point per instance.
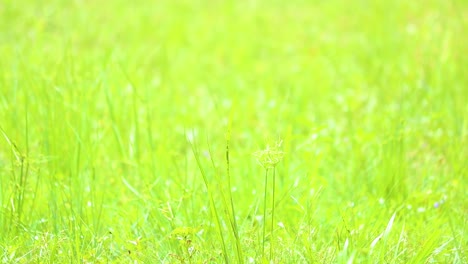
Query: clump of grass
(268, 159)
(19, 183)
(184, 236)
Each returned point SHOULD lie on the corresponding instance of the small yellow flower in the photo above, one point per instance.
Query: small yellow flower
(270, 156)
(184, 233)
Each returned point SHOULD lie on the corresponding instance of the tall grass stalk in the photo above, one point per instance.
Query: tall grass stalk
(212, 203)
(229, 208)
(233, 221)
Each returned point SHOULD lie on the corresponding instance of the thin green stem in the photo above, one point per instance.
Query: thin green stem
(264, 212)
(272, 216)
(240, 258)
(210, 195)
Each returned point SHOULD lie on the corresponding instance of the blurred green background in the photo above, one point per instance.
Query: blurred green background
(102, 101)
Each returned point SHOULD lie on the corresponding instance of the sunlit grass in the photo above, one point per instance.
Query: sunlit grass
(127, 131)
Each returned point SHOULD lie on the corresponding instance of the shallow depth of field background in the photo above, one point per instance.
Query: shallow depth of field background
(105, 107)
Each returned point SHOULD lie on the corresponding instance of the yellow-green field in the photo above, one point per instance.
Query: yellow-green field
(178, 131)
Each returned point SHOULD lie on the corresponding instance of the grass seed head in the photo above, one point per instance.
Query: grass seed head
(270, 156)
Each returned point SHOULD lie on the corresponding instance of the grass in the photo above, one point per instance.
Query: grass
(127, 131)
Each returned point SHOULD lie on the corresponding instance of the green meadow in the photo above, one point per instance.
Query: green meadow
(250, 131)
